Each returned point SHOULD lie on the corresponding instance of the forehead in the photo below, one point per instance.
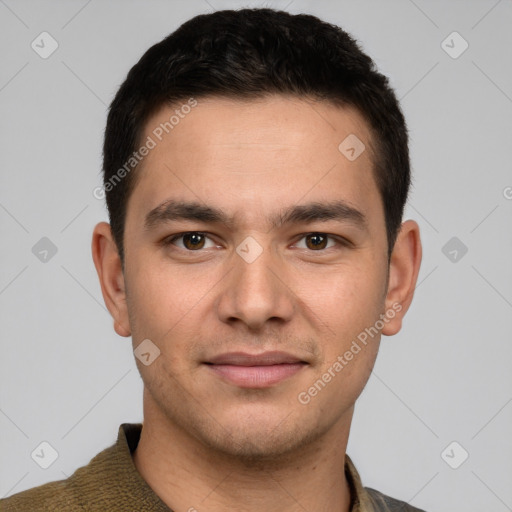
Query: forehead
(254, 157)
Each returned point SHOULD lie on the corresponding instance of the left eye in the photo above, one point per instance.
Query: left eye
(317, 241)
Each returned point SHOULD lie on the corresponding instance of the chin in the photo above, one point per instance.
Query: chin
(259, 443)
(253, 434)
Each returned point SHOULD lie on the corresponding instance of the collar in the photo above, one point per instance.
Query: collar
(128, 439)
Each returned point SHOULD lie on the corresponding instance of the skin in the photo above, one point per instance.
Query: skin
(206, 443)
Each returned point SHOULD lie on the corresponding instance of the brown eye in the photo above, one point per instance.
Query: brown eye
(193, 241)
(190, 241)
(315, 241)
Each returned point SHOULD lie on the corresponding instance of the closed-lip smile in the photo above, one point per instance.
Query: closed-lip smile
(260, 370)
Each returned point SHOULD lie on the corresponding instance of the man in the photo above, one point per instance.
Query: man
(256, 169)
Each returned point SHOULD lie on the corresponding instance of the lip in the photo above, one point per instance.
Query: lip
(255, 370)
(262, 359)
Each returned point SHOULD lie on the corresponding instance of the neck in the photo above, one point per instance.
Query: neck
(189, 476)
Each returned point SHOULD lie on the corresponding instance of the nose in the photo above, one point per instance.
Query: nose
(255, 292)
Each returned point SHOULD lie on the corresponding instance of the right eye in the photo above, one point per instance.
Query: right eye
(190, 241)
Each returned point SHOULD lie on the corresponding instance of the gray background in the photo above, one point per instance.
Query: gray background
(68, 379)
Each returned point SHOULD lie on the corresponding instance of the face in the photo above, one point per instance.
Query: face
(256, 261)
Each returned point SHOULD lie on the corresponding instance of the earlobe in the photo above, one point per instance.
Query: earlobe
(108, 266)
(403, 274)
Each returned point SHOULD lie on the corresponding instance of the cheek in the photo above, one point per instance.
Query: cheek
(165, 308)
(346, 305)
(162, 296)
(347, 342)
(152, 308)
(345, 297)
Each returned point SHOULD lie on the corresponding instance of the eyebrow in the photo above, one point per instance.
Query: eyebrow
(172, 210)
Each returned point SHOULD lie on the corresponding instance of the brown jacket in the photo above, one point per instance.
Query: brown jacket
(111, 482)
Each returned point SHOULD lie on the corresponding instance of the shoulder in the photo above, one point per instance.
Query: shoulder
(109, 482)
(74, 494)
(53, 496)
(383, 503)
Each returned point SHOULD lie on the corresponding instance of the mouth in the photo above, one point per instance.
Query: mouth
(255, 370)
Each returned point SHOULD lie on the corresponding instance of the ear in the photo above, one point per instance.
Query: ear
(403, 273)
(108, 266)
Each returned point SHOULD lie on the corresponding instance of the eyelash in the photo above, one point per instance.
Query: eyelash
(340, 241)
